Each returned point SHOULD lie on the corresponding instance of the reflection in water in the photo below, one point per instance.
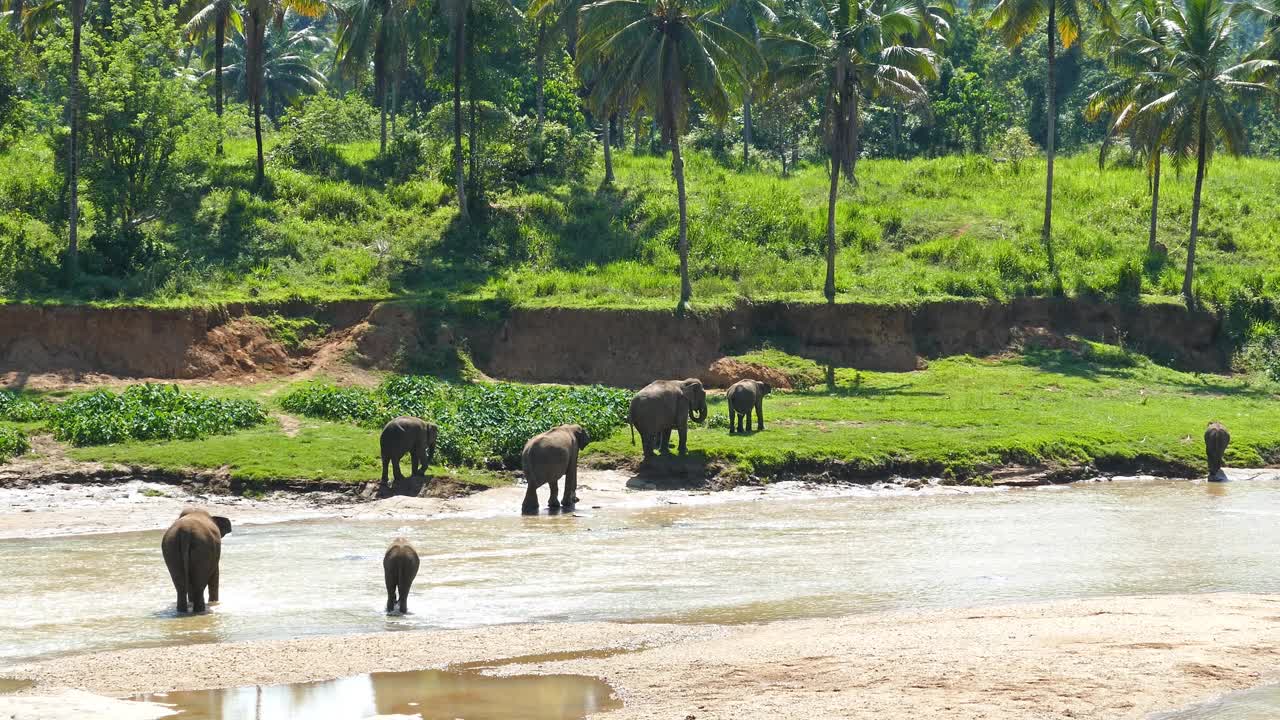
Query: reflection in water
(430, 694)
(1258, 704)
(13, 685)
(703, 561)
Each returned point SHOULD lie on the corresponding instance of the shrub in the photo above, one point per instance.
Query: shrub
(12, 444)
(478, 422)
(1014, 148)
(16, 408)
(149, 412)
(311, 134)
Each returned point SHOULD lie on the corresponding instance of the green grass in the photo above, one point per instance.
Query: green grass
(970, 416)
(909, 231)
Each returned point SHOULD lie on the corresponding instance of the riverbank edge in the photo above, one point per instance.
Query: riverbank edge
(1104, 657)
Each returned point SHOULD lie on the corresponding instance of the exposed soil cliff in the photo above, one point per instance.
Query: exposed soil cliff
(616, 347)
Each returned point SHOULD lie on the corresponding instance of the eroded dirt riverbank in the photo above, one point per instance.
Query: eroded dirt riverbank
(1120, 657)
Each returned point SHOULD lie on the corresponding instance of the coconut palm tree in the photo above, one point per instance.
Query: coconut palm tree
(1202, 85)
(31, 18)
(290, 66)
(377, 29)
(455, 14)
(554, 18)
(199, 18)
(852, 50)
(748, 18)
(1015, 20)
(257, 14)
(1137, 54)
(664, 55)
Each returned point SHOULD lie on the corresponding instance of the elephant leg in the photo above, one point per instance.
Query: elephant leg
(405, 584)
(759, 415)
(571, 485)
(213, 584)
(553, 501)
(731, 427)
(197, 597)
(386, 461)
(530, 506)
(683, 430)
(650, 443)
(395, 465)
(182, 600)
(664, 442)
(391, 593)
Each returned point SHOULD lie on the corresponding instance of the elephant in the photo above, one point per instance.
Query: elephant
(743, 397)
(548, 457)
(1216, 439)
(663, 406)
(407, 435)
(192, 547)
(399, 567)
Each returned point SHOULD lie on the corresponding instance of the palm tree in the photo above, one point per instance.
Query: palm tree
(218, 15)
(664, 55)
(289, 66)
(257, 13)
(747, 17)
(376, 28)
(1138, 55)
(554, 17)
(455, 14)
(32, 17)
(854, 49)
(1203, 83)
(1015, 20)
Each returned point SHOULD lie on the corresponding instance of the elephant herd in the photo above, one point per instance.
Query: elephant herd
(192, 546)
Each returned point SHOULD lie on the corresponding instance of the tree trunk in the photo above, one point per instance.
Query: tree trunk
(382, 112)
(635, 150)
(829, 289)
(472, 149)
(380, 91)
(540, 63)
(1201, 153)
(219, 39)
(608, 153)
(257, 33)
(1155, 203)
(395, 98)
(677, 169)
(72, 260)
(459, 53)
(1051, 104)
(746, 127)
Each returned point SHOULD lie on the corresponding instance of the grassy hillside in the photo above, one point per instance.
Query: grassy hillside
(950, 227)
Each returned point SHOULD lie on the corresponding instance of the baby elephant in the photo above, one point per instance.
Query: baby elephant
(743, 397)
(1216, 439)
(399, 567)
(548, 457)
(407, 435)
(192, 547)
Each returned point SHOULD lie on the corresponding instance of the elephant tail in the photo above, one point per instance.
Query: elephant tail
(633, 430)
(184, 557)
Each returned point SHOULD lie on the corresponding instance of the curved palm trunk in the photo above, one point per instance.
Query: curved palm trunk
(540, 62)
(608, 151)
(677, 169)
(1155, 203)
(459, 53)
(829, 289)
(746, 127)
(1189, 275)
(380, 90)
(72, 260)
(1051, 106)
(256, 34)
(219, 40)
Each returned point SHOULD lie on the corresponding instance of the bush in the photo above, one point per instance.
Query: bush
(311, 134)
(149, 412)
(16, 408)
(478, 422)
(12, 444)
(1014, 147)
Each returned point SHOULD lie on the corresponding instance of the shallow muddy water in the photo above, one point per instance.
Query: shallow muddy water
(429, 694)
(1257, 704)
(699, 561)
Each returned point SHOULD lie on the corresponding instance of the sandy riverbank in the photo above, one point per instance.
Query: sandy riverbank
(1102, 658)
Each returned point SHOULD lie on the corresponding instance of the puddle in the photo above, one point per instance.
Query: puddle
(697, 561)
(8, 686)
(427, 694)
(1257, 704)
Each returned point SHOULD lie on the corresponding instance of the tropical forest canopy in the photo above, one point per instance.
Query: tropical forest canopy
(631, 152)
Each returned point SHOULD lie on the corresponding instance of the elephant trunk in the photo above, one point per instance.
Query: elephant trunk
(698, 414)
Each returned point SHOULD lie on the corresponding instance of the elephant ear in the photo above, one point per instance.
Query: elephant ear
(224, 525)
(583, 438)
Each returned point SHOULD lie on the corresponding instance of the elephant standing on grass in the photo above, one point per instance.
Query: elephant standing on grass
(1216, 439)
(663, 406)
(192, 547)
(548, 457)
(743, 397)
(407, 435)
(399, 568)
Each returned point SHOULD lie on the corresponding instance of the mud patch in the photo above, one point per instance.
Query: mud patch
(726, 371)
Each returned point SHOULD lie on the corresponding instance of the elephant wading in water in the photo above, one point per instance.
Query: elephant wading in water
(548, 457)
(192, 547)
(399, 567)
(663, 406)
(743, 397)
(407, 435)
(1216, 439)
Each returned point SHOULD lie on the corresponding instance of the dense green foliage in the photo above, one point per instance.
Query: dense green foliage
(21, 408)
(149, 412)
(478, 422)
(12, 443)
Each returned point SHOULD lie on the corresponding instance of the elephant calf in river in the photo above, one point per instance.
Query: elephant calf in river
(399, 568)
(548, 457)
(192, 547)
(663, 406)
(743, 397)
(407, 435)
(1216, 439)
